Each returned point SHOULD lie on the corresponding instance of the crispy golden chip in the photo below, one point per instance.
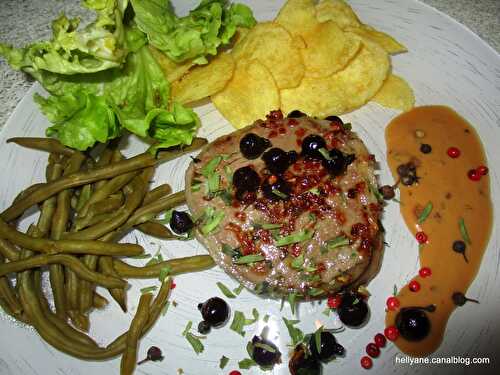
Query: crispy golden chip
(204, 80)
(337, 11)
(343, 91)
(171, 70)
(298, 16)
(386, 41)
(250, 95)
(328, 50)
(273, 46)
(395, 93)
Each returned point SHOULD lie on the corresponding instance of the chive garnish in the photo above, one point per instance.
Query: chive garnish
(238, 290)
(164, 272)
(317, 338)
(193, 340)
(425, 213)
(261, 345)
(239, 321)
(324, 153)
(213, 183)
(296, 237)
(212, 222)
(463, 231)
(292, 301)
(334, 243)
(279, 194)
(314, 292)
(295, 334)
(223, 362)
(271, 226)
(252, 258)
(298, 262)
(246, 363)
(225, 290)
(210, 167)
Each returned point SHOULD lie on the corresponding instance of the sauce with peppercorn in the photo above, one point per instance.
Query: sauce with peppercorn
(443, 205)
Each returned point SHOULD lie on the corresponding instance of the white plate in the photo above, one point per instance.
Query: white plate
(446, 64)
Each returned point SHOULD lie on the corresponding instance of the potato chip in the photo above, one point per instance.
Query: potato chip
(343, 91)
(298, 16)
(328, 50)
(386, 41)
(337, 11)
(273, 46)
(250, 95)
(171, 69)
(395, 93)
(204, 80)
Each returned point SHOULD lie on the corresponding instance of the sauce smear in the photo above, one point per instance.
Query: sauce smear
(448, 195)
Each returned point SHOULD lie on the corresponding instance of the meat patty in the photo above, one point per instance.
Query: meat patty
(304, 230)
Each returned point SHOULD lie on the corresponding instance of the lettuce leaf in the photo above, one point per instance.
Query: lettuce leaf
(211, 24)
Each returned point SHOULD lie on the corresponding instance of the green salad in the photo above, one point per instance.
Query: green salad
(102, 78)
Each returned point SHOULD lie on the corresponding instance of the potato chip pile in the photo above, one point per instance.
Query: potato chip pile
(316, 58)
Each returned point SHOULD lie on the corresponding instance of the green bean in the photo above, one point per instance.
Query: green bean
(28, 191)
(71, 288)
(157, 193)
(85, 193)
(67, 246)
(98, 301)
(175, 152)
(69, 261)
(44, 144)
(79, 320)
(118, 294)
(8, 295)
(8, 250)
(104, 206)
(49, 332)
(177, 266)
(112, 186)
(129, 358)
(104, 159)
(86, 287)
(65, 328)
(77, 179)
(133, 200)
(152, 228)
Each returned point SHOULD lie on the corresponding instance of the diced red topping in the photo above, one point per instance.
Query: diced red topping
(380, 340)
(474, 175)
(392, 333)
(273, 134)
(392, 303)
(241, 216)
(414, 286)
(334, 301)
(366, 362)
(299, 142)
(295, 250)
(482, 170)
(359, 230)
(275, 115)
(421, 237)
(282, 131)
(234, 372)
(453, 152)
(292, 122)
(300, 132)
(372, 350)
(425, 272)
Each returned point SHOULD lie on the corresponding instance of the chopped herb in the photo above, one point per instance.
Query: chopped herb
(225, 195)
(229, 174)
(164, 272)
(238, 290)
(261, 288)
(314, 292)
(312, 217)
(223, 362)
(356, 301)
(279, 194)
(298, 262)
(196, 187)
(148, 289)
(327, 311)
(266, 347)
(296, 237)
(255, 315)
(166, 218)
(425, 213)
(271, 226)
(317, 338)
(292, 301)
(314, 191)
(282, 303)
(310, 269)
(229, 251)
(225, 290)
(252, 258)
(347, 126)
(238, 323)
(324, 152)
(210, 167)
(463, 231)
(212, 222)
(295, 334)
(213, 183)
(334, 243)
(266, 318)
(246, 363)
(158, 258)
(354, 254)
(193, 340)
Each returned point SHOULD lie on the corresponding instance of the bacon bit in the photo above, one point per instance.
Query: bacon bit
(244, 239)
(282, 130)
(272, 179)
(295, 250)
(359, 230)
(275, 115)
(264, 235)
(292, 122)
(334, 301)
(272, 134)
(320, 267)
(340, 217)
(241, 216)
(300, 132)
(365, 245)
(296, 167)
(360, 187)
(330, 188)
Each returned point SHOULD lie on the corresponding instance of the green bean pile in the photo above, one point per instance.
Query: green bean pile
(87, 204)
